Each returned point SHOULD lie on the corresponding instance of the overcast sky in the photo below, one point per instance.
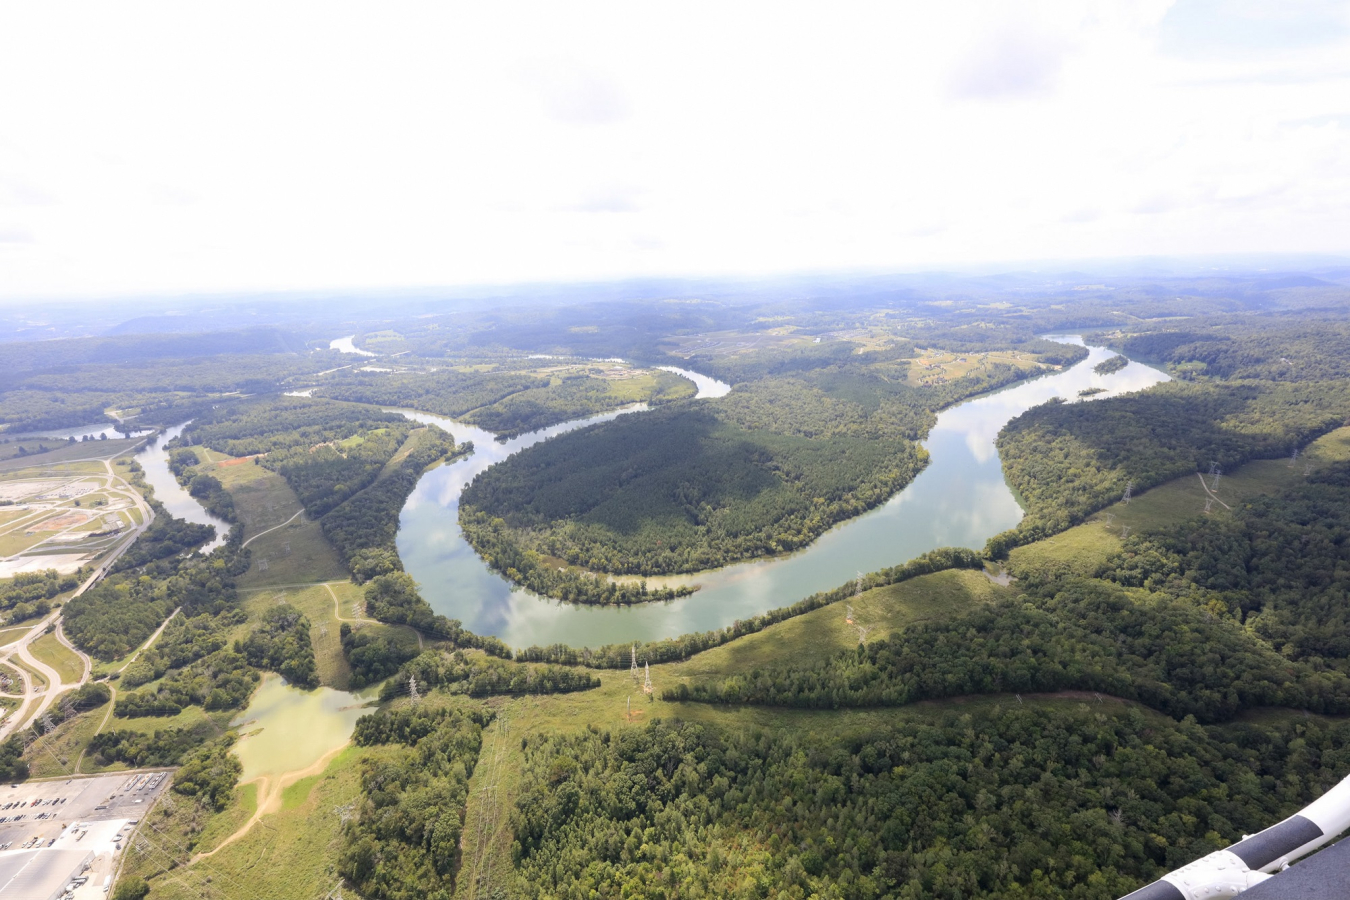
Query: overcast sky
(228, 146)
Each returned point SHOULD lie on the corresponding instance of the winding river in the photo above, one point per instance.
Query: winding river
(154, 460)
(960, 499)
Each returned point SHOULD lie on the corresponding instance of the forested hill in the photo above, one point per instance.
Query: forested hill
(1246, 390)
(510, 398)
(696, 485)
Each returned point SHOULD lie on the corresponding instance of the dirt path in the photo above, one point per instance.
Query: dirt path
(300, 512)
(270, 791)
(337, 610)
(1212, 495)
(112, 700)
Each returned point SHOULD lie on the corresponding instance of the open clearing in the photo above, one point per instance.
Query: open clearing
(47, 649)
(292, 554)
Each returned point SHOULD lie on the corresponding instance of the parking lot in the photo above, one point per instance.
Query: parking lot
(55, 835)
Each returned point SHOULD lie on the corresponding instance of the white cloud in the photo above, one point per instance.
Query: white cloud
(169, 147)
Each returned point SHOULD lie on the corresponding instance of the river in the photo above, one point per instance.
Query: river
(960, 499)
(154, 459)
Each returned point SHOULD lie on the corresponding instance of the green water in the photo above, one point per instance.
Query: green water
(298, 727)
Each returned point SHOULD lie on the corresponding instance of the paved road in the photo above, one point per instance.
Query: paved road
(34, 705)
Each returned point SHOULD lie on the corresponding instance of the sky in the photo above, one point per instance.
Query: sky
(189, 147)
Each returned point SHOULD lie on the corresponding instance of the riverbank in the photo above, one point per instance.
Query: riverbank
(961, 499)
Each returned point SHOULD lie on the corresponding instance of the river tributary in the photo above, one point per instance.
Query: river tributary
(960, 499)
(154, 459)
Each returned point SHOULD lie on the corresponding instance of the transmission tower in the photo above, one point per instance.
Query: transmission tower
(1214, 468)
(858, 585)
(1215, 485)
(346, 812)
(1110, 517)
(1209, 502)
(1124, 532)
(848, 617)
(412, 688)
(1307, 470)
(647, 684)
(1129, 492)
(634, 669)
(47, 724)
(1293, 458)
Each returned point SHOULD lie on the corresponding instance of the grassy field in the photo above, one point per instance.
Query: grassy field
(58, 752)
(9, 635)
(287, 856)
(325, 606)
(49, 650)
(297, 552)
(66, 452)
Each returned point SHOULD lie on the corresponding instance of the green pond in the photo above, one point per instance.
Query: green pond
(286, 729)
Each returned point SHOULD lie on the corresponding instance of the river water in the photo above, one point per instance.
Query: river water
(154, 459)
(960, 499)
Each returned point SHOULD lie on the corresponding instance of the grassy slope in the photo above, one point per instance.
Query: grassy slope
(1083, 548)
(47, 649)
(263, 500)
(289, 855)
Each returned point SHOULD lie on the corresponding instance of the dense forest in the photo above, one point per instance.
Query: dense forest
(117, 614)
(1280, 566)
(805, 440)
(1277, 347)
(29, 594)
(281, 643)
(404, 842)
(364, 526)
(508, 403)
(1003, 802)
(148, 380)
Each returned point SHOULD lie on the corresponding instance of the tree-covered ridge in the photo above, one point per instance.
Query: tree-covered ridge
(1067, 460)
(808, 438)
(61, 384)
(508, 403)
(679, 490)
(575, 396)
(29, 594)
(1280, 566)
(1073, 635)
(1008, 803)
(1268, 348)
(404, 842)
(446, 392)
(327, 451)
(363, 528)
(479, 675)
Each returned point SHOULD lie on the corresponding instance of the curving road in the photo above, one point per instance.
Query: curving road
(34, 703)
